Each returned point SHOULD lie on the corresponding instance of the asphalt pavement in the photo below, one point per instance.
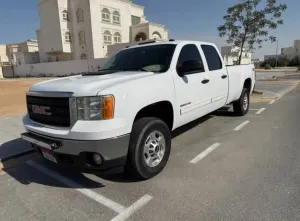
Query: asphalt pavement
(221, 167)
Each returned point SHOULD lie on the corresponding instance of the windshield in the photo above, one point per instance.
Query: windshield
(154, 58)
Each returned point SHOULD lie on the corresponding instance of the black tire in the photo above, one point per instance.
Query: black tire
(136, 164)
(238, 106)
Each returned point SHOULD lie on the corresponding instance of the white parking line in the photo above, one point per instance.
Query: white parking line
(272, 101)
(91, 194)
(254, 109)
(260, 110)
(241, 125)
(205, 153)
(133, 208)
(124, 213)
(284, 91)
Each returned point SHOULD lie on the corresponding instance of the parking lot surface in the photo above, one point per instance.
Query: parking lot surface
(221, 167)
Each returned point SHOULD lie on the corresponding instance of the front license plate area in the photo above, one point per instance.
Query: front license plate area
(48, 155)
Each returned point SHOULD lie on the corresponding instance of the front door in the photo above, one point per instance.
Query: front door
(192, 89)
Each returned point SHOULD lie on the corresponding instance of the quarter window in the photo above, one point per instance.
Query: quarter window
(212, 57)
(188, 53)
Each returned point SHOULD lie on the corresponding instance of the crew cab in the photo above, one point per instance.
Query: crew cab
(123, 115)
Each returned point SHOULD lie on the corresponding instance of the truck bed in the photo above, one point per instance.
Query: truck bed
(238, 73)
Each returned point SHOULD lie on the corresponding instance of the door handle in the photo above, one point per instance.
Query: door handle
(224, 76)
(205, 81)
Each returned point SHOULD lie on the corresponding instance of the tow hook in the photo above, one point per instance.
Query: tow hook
(55, 145)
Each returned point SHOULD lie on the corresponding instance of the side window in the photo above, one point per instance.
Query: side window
(189, 53)
(212, 57)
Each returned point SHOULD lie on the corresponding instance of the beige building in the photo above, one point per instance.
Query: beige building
(9, 53)
(231, 55)
(81, 29)
(292, 51)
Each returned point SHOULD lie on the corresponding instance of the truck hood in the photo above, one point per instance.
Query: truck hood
(87, 85)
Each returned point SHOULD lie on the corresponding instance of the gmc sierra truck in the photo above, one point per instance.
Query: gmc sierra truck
(123, 115)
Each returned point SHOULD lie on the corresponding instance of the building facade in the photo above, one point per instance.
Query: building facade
(231, 55)
(9, 53)
(81, 29)
(292, 51)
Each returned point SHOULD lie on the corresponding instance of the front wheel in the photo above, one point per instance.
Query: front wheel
(241, 106)
(149, 148)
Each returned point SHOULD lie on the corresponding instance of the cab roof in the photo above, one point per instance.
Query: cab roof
(171, 41)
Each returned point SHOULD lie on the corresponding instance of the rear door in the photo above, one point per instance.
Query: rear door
(192, 90)
(218, 76)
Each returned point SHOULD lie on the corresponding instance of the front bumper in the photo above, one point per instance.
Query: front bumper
(76, 152)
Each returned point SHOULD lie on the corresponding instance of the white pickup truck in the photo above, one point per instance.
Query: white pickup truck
(123, 115)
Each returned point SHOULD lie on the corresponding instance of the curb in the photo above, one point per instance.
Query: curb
(260, 99)
(278, 95)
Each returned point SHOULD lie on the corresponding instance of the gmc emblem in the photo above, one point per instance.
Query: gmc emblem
(41, 110)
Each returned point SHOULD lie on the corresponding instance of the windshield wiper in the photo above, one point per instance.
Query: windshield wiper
(101, 72)
(135, 69)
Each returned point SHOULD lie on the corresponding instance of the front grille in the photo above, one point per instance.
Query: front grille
(51, 111)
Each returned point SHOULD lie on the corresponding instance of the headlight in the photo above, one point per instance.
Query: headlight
(95, 108)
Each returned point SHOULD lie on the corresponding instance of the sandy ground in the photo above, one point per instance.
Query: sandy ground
(12, 95)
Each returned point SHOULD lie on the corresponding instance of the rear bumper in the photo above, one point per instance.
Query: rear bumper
(77, 153)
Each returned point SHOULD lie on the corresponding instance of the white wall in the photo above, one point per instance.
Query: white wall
(64, 25)
(126, 9)
(85, 26)
(157, 28)
(51, 36)
(27, 57)
(137, 10)
(58, 68)
(32, 48)
(3, 55)
(297, 46)
(289, 52)
(50, 30)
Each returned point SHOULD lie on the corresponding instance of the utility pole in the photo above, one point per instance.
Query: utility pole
(276, 55)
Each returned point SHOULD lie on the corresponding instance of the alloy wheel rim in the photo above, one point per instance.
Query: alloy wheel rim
(245, 102)
(154, 149)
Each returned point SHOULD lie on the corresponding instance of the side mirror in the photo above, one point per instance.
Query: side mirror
(191, 66)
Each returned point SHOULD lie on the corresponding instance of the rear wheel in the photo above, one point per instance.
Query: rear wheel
(241, 106)
(149, 148)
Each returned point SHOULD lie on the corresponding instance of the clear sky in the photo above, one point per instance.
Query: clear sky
(189, 19)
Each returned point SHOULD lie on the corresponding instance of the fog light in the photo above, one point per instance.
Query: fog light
(97, 159)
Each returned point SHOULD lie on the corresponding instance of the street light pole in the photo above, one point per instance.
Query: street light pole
(276, 55)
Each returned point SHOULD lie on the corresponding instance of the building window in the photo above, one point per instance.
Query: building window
(81, 37)
(105, 15)
(83, 56)
(116, 18)
(79, 15)
(107, 37)
(65, 15)
(117, 37)
(68, 37)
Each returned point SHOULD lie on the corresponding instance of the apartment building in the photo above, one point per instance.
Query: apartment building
(81, 29)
